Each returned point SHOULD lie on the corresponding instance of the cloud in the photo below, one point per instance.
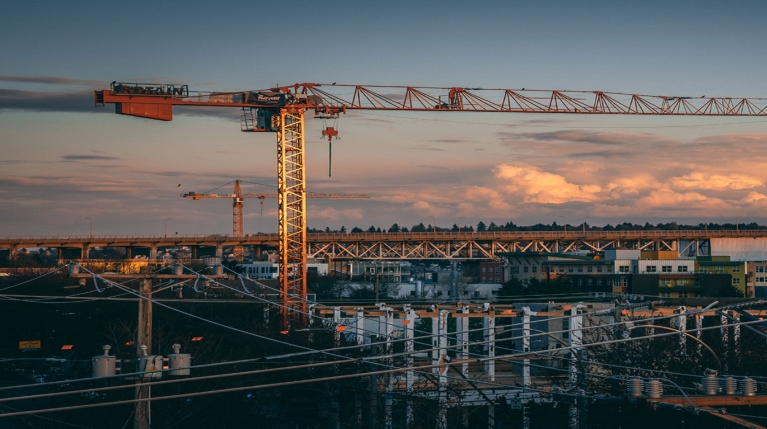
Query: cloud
(716, 182)
(598, 138)
(88, 158)
(51, 80)
(451, 140)
(680, 201)
(44, 101)
(538, 186)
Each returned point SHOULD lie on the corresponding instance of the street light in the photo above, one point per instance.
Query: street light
(166, 225)
(90, 226)
(435, 224)
(324, 228)
(564, 222)
(459, 223)
(584, 224)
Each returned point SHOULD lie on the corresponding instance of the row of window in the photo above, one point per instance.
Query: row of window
(498, 270)
(490, 279)
(666, 269)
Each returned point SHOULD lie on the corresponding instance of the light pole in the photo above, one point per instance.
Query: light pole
(90, 226)
(584, 225)
(460, 219)
(435, 224)
(564, 222)
(166, 225)
(324, 228)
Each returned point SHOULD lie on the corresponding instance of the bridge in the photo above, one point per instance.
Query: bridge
(400, 245)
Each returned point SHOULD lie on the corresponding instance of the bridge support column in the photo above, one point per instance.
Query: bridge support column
(219, 251)
(152, 252)
(128, 252)
(85, 251)
(195, 252)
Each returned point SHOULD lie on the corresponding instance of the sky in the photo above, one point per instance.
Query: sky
(67, 167)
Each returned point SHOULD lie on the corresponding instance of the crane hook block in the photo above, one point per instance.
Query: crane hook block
(330, 132)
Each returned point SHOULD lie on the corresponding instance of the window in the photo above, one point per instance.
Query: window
(651, 269)
(514, 270)
(682, 282)
(623, 269)
(599, 282)
(682, 294)
(580, 282)
(588, 282)
(525, 269)
(682, 268)
(535, 268)
(484, 279)
(569, 269)
(760, 279)
(599, 269)
(735, 269)
(497, 279)
(484, 269)
(609, 268)
(665, 295)
(665, 283)
(719, 269)
(760, 269)
(666, 268)
(580, 269)
(498, 270)
(589, 268)
(736, 281)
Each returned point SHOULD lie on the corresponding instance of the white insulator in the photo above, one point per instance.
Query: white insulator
(218, 270)
(104, 365)
(747, 386)
(710, 384)
(74, 269)
(730, 386)
(653, 389)
(179, 362)
(634, 387)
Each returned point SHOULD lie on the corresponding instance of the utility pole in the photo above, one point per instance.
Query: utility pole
(144, 337)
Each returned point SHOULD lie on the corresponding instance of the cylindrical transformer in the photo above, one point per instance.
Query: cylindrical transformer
(179, 363)
(730, 385)
(104, 365)
(178, 269)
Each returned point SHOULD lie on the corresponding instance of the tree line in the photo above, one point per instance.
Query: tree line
(510, 226)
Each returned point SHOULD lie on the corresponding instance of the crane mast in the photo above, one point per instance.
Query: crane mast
(282, 109)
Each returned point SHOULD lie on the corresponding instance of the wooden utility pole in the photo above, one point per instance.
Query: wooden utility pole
(143, 338)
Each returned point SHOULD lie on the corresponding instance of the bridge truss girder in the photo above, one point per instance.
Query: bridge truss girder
(488, 248)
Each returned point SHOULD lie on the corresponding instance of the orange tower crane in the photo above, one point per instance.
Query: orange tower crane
(238, 229)
(281, 110)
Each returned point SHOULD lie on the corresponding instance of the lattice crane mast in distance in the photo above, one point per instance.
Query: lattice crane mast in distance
(281, 110)
(238, 197)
